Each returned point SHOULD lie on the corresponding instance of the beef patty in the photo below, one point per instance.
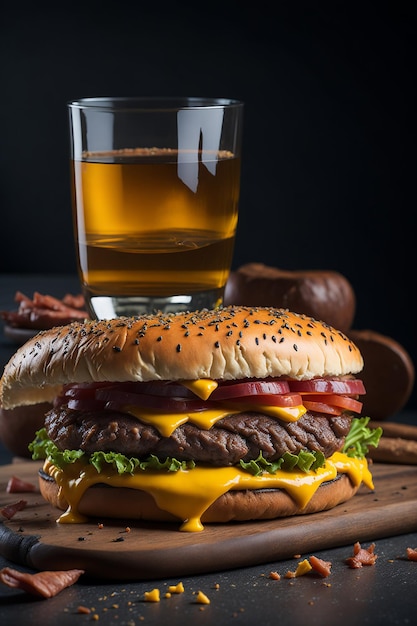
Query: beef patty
(235, 437)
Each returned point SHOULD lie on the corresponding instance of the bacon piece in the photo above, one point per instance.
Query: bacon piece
(17, 485)
(74, 301)
(44, 584)
(412, 554)
(361, 556)
(45, 311)
(10, 510)
(320, 566)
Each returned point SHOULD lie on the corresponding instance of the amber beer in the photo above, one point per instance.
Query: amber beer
(155, 222)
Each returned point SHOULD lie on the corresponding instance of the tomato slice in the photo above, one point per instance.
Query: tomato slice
(327, 385)
(117, 400)
(322, 407)
(283, 399)
(85, 404)
(163, 388)
(253, 387)
(343, 402)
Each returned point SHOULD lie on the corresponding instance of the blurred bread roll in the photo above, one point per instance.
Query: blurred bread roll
(325, 295)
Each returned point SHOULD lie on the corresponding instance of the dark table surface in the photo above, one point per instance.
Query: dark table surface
(379, 594)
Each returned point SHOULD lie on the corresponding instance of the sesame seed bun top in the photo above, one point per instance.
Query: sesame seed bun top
(234, 342)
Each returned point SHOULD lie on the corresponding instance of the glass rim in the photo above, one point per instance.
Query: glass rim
(152, 103)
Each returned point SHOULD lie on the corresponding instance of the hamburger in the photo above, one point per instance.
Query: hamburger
(239, 413)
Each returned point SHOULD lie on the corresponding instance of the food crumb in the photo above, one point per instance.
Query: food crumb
(100, 525)
(179, 588)
(202, 598)
(83, 609)
(320, 566)
(152, 596)
(217, 586)
(412, 554)
(274, 576)
(361, 556)
(302, 568)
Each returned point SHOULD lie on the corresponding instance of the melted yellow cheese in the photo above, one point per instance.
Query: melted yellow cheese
(166, 422)
(202, 387)
(187, 494)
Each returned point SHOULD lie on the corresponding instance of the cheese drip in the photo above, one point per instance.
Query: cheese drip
(166, 422)
(187, 494)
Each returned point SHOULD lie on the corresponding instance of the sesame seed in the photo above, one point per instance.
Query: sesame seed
(295, 347)
(178, 348)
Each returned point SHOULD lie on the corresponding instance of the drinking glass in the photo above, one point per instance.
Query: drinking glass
(155, 194)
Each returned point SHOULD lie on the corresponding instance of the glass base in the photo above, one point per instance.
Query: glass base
(108, 307)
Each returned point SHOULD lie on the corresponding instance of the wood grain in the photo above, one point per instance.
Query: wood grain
(145, 551)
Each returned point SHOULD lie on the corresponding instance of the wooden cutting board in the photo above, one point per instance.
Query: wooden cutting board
(145, 551)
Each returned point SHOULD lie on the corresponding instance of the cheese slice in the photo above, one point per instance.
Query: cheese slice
(166, 422)
(187, 494)
(202, 387)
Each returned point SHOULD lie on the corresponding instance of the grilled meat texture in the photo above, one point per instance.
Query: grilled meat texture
(235, 437)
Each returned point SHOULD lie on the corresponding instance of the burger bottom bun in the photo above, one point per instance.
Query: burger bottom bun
(239, 506)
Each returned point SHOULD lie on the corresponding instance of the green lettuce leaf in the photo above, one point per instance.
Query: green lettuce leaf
(127, 465)
(43, 448)
(360, 437)
(304, 461)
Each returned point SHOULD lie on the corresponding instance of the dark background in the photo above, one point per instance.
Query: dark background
(329, 167)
